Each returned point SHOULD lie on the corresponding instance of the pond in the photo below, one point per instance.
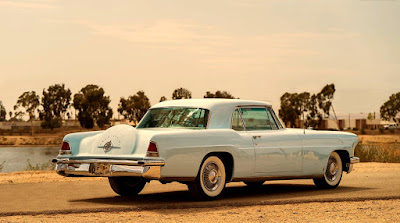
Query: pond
(26, 158)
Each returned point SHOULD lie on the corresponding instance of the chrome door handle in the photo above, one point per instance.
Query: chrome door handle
(255, 137)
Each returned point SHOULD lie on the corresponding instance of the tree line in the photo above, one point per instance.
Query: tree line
(92, 106)
(314, 107)
(90, 103)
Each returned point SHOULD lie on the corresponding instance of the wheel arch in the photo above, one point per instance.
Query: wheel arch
(228, 161)
(345, 156)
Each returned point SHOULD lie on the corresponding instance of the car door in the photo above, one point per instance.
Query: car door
(278, 152)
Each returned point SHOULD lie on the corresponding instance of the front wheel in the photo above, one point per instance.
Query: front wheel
(127, 186)
(333, 173)
(210, 181)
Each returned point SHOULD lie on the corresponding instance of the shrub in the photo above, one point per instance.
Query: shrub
(362, 131)
(2, 165)
(43, 166)
(381, 130)
(386, 153)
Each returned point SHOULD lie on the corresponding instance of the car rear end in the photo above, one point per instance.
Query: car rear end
(118, 151)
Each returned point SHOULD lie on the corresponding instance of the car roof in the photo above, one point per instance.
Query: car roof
(220, 109)
(210, 103)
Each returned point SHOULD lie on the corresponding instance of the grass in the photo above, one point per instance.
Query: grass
(40, 166)
(378, 152)
(2, 165)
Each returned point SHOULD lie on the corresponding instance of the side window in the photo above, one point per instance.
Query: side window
(271, 119)
(236, 121)
(258, 119)
(255, 119)
(278, 121)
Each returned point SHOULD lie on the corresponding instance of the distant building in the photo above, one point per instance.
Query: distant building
(350, 121)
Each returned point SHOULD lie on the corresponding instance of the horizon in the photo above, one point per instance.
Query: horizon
(255, 50)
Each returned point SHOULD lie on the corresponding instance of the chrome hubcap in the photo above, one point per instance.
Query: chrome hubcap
(211, 176)
(332, 169)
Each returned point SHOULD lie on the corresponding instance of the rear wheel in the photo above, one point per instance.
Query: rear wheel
(210, 181)
(127, 186)
(333, 173)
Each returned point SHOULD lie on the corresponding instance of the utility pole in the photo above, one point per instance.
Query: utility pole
(349, 122)
(337, 122)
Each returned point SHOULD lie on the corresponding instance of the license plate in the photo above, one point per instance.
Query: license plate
(99, 169)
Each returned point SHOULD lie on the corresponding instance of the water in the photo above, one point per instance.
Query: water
(16, 158)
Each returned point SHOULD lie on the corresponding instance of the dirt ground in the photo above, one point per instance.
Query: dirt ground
(380, 210)
(365, 211)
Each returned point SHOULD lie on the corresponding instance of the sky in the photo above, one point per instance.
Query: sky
(254, 49)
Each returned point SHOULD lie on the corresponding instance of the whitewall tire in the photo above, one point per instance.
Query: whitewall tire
(211, 179)
(333, 173)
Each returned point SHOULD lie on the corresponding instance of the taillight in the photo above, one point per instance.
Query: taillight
(65, 149)
(152, 150)
(65, 146)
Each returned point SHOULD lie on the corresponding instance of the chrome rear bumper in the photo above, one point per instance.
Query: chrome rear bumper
(150, 169)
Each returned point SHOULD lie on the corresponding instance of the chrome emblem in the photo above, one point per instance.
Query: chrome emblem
(107, 146)
(109, 143)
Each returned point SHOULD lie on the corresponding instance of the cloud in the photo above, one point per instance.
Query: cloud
(26, 4)
(159, 32)
(215, 46)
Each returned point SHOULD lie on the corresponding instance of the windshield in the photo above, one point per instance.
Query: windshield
(196, 118)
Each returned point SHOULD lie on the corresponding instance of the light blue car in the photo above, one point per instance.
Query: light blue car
(206, 143)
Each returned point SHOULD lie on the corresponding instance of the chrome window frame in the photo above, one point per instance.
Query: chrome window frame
(277, 121)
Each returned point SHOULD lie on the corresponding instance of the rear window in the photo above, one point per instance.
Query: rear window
(195, 118)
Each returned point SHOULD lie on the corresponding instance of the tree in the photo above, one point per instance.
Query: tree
(314, 117)
(30, 101)
(134, 107)
(181, 93)
(55, 102)
(3, 112)
(163, 98)
(291, 109)
(325, 98)
(390, 110)
(370, 116)
(311, 107)
(10, 114)
(92, 106)
(219, 94)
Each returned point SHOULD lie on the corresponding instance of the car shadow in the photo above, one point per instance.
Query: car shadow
(232, 196)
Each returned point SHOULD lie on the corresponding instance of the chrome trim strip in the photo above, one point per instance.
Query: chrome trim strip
(260, 178)
(111, 161)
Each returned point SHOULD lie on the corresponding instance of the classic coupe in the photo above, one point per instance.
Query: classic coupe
(206, 143)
